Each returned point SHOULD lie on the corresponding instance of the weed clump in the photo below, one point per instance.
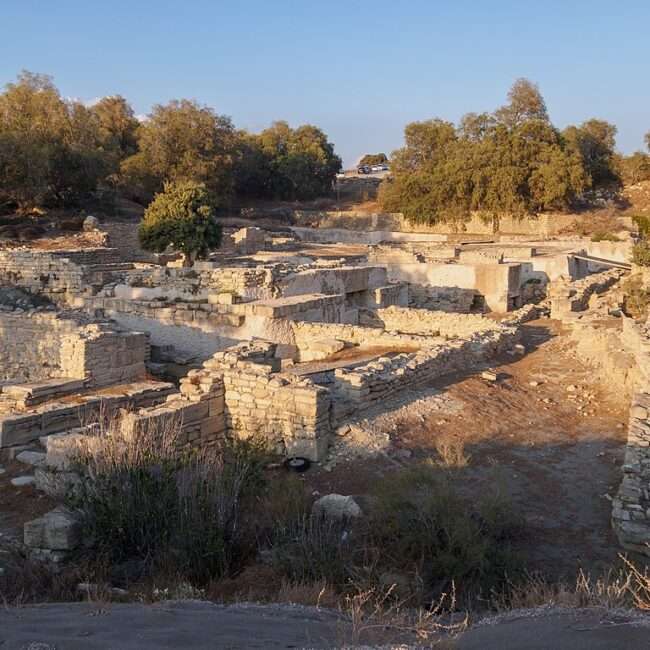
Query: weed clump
(141, 498)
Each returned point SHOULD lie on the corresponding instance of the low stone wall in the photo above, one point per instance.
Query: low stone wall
(622, 358)
(305, 335)
(240, 392)
(364, 386)
(44, 344)
(448, 299)
(567, 296)
(196, 414)
(431, 323)
(195, 283)
(543, 225)
(123, 237)
(59, 416)
(631, 506)
(297, 416)
(59, 275)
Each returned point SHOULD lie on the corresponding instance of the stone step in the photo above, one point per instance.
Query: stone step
(36, 392)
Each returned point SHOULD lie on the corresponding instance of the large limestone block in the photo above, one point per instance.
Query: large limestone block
(336, 506)
(63, 448)
(315, 449)
(58, 530)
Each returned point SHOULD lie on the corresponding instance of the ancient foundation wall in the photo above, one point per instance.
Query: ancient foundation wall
(631, 506)
(568, 296)
(30, 345)
(364, 386)
(430, 323)
(448, 299)
(543, 225)
(495, 282)
(44, 345)
(58, 275)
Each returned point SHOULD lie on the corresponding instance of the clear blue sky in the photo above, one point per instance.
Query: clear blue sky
(359, 69)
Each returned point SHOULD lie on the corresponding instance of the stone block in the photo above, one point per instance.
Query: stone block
(314, 449)
(58, 530)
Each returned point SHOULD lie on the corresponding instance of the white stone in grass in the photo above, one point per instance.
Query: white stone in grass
(22, 481)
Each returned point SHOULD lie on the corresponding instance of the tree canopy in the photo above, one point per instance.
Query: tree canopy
(181, 216)
(374, 159)
(55, 151)
(286, 163)
(513, 161)
(183, 140)
(50, 151)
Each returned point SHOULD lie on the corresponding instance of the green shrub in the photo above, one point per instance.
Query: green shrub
(421, 526)
(417, 527)
(182, 216)
(604, 236)
(643, 224)
(312, 549)
(637, 298)
(641, 253)
(142, 499)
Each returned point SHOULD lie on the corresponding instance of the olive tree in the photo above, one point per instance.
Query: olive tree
(181, 217)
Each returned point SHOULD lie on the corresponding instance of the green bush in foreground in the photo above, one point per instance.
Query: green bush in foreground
(182, 216)
(207, 515)
(417, 528)
(141, 499)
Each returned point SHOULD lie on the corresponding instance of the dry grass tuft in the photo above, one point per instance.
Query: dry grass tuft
(451, 452)
(626, 587)
(639, 585)
(375, 616)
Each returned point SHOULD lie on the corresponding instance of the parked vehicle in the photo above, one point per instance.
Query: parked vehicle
(363, 169)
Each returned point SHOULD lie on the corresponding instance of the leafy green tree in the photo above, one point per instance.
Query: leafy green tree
(182, 216)
(117, 127)
(595, 140)
(647, 139)
(286, 163)
(374, 159)
(525, 102)
(512, 162)
(49, 151)
(633, 168)
(183, 141)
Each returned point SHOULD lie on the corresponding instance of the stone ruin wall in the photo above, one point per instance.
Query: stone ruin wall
(430, 323)
(448, 299)
(238, 392)
(623, 357)
(58, 275)
(246, 394)
(43, 345)
(567, 296)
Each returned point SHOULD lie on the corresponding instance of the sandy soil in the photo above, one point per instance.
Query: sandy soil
(548, 433)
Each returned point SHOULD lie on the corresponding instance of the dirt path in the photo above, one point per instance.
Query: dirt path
(202, 625)
(548, 432)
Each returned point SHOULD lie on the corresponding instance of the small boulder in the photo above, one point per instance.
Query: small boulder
(58, 530)
(90, 223)
(22, 481)
(639, 412)
(34, 458)
(336, 506)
